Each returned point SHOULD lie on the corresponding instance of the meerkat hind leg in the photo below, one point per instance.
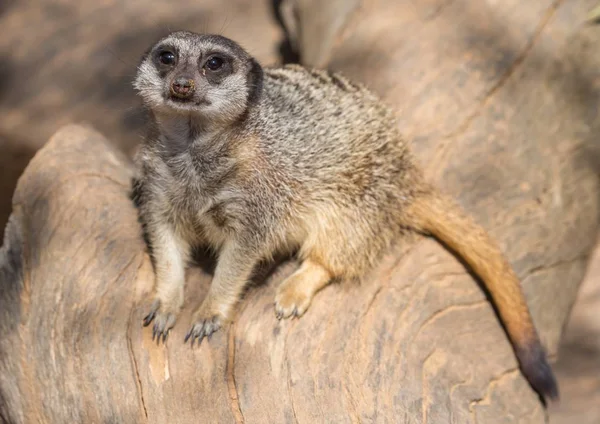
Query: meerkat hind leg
(295, 294)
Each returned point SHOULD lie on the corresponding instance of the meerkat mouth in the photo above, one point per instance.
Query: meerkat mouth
(181, 100)
(185, 104)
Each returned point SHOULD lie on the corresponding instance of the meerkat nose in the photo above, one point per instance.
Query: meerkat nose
(182, 87)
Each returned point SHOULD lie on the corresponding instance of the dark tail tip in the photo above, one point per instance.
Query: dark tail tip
(538, 372)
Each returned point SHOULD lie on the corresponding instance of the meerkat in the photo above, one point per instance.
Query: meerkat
(252, 161)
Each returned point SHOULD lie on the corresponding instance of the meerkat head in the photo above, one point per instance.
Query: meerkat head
(208, 76)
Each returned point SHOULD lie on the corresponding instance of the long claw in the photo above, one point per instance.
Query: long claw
(202, 329)
(148, 318)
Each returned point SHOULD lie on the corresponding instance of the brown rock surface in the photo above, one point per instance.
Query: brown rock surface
(500, 101)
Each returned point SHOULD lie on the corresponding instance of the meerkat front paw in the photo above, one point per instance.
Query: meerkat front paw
(291, 300)
(206, 321)
(164, 319)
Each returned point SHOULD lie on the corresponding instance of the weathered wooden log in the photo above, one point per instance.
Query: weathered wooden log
(487, 92)
(419, 342)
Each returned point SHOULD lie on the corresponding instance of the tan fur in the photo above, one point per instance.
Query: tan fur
(256, 161)
(442, 218)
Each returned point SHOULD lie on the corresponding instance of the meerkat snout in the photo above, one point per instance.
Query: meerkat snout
(183, 87)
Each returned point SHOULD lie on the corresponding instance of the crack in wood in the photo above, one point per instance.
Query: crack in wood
(448, 309)
(451, 393)
(445, 147)
(485, 400)
(236, 410)
(138, 380)
(540, 268)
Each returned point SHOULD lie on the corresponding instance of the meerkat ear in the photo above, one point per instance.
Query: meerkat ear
(255, 81)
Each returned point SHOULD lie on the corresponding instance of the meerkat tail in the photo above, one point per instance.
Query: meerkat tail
(443, 219)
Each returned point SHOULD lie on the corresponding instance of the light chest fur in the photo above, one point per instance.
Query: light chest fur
(194, 189)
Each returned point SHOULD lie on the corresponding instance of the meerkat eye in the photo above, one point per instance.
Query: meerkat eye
(214, 63)
(167, 58)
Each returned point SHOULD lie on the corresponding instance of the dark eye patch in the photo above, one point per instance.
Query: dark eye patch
(216, 66)
(165, 57)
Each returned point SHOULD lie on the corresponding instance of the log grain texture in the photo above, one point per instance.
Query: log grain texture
(502, 112)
